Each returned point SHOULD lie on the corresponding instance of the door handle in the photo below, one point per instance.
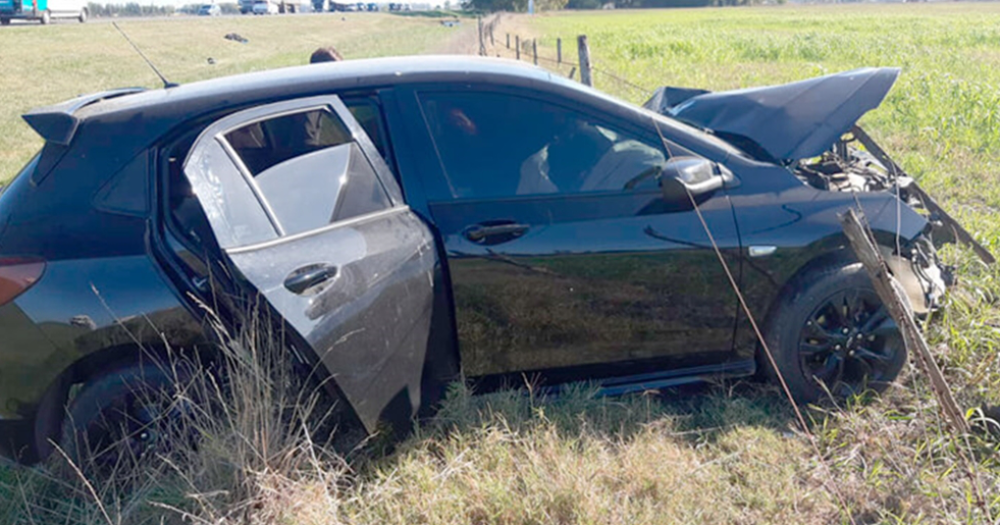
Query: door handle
(481, 232)
(301, 280)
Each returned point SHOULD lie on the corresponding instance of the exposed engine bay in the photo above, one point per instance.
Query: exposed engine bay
(809, 127)
(848, 168)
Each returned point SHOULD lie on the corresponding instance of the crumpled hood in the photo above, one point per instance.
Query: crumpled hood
(786, 122)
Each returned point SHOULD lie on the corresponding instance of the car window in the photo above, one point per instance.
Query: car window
(309, 170)
(127, 192)
(369, 115)
(500, 145)
(230, 205)
(266, 143)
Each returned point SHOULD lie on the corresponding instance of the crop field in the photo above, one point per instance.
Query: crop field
(724, 453)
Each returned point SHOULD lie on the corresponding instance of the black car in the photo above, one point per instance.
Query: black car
(410, 218)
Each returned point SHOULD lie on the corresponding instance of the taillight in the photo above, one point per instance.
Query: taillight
(17, 275)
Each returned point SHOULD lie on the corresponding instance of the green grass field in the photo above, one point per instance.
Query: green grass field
(727, 453)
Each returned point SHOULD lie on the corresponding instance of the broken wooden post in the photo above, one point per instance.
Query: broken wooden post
(558, 51)
(517, 46)
(584, 50)
(890, 291)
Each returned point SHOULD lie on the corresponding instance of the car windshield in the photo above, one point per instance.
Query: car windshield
(702, 133)
(664, 121)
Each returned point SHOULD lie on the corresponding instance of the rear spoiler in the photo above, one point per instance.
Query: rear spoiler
(57, 123)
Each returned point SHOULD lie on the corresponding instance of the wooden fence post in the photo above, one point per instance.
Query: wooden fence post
(558, 51)
(890, 291)
(482, 43)
(534, 49)
(508, 40)
(517, 45)
(584, 49)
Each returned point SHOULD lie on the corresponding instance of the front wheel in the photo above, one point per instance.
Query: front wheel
(46, 17)
(83, 16)
(831, 333)
(4, 21)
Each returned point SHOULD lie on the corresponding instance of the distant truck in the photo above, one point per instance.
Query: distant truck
(42, 10)
(270, 7)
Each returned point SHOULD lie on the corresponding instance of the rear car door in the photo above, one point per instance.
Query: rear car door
(307, 212)
(565, 260)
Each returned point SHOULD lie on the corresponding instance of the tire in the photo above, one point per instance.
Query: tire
(4, 21)
(83, 16)
(46, 18)
(819, 350)
(121, 419)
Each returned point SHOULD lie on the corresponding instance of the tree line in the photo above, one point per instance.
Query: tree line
(137, 9)
(128, 9)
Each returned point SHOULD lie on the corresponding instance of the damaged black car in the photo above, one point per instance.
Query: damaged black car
(410, 221)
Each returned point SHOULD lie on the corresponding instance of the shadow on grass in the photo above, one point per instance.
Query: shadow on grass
(690, 414)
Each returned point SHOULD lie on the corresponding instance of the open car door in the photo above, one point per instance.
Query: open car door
(309, 216)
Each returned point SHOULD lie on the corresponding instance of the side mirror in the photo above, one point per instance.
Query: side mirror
(682, 175)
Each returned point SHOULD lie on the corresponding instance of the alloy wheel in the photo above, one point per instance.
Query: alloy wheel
(849, 341)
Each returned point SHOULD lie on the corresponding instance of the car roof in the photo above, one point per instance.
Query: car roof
(300, 80)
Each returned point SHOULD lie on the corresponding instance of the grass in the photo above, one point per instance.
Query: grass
(61, 61)
(726, 453)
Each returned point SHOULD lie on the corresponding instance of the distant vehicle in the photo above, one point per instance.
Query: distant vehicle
(373, 7)
(265, 7)
(293, 6)
(246, 7)
(42, 10)
(209, 10)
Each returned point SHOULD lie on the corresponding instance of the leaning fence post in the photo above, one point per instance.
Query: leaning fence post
(558, 51)
(517, 45)
(534, 49)
(482, 43)
(890, 291)
(584, 49)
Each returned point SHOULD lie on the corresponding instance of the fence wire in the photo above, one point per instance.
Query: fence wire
(528, 53)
